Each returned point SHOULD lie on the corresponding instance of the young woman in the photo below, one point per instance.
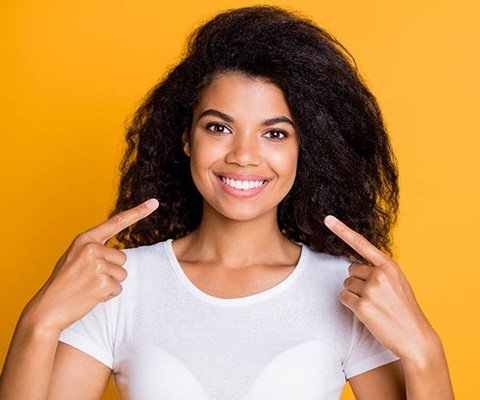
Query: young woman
(233, 283)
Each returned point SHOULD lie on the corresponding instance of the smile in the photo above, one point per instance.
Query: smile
(241, 188)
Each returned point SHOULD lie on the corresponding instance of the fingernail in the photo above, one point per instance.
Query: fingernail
(330, 220)
(152, 203)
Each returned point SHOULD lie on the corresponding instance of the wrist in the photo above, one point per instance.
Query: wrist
(31, 321)
(429, 352)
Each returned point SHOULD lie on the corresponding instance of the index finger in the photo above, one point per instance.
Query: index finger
(356, 241)
(109, 228)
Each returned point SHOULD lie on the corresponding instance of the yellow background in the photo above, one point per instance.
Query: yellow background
(73, 71)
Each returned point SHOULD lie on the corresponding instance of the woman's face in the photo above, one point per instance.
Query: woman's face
(232, 137)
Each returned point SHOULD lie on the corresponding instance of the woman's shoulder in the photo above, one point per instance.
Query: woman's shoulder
(144, 255)
(145, 249)
(329, 265)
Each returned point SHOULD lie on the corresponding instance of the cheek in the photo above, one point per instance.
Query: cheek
(284, 163)
(204, 154)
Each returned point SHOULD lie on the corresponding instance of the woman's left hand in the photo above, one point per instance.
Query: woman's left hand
(381, 297)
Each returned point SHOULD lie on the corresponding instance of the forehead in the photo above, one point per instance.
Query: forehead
(242, 94)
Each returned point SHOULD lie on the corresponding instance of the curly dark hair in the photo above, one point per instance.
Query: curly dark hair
(346, 166)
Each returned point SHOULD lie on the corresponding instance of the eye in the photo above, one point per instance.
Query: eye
(222, 126)
(215, 124)
(285, 134)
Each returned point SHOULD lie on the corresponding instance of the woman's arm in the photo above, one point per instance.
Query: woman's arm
(380, 296)
(423, 378)
(87, 273)
(427, 377)
(39, 367)
(28, 367)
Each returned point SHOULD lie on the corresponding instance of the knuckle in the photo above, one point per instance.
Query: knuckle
(118, 289)
(103, 282)
(80, 238)
(359, 241)
(351, 268)
(113, 291)
(368, 291)
(366, 269)
(98, 265)
(109, 296)
(117, 219)
(378, 276)
(363, 306)
(123, 257)
(391, 267)
(140, 213)
(123, 274)
(90, 249)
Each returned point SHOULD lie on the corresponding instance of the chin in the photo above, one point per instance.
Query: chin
(241, 213)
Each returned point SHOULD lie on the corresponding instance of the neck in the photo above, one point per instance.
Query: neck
(238, 243)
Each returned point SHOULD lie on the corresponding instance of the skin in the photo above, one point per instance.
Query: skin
(238, 238)
(238, 244)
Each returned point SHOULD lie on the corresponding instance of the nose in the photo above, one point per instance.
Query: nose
(244, 150)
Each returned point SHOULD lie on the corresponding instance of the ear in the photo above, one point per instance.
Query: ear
(186, 142)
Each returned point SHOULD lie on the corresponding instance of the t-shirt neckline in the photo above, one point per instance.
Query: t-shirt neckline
(249, 299)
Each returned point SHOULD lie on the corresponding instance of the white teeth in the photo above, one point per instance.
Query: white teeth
(241, 184)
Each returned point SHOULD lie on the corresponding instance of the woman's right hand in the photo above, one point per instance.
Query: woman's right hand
(86, 274)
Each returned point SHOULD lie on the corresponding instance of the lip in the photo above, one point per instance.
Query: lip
(243, 176)
(241, 192)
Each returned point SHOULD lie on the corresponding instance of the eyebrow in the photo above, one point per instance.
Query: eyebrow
(229, 118)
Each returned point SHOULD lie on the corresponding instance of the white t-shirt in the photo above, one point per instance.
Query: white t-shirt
(165, 339)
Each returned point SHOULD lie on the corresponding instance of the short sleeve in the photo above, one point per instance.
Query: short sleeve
(366, 352)
(95, 332)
